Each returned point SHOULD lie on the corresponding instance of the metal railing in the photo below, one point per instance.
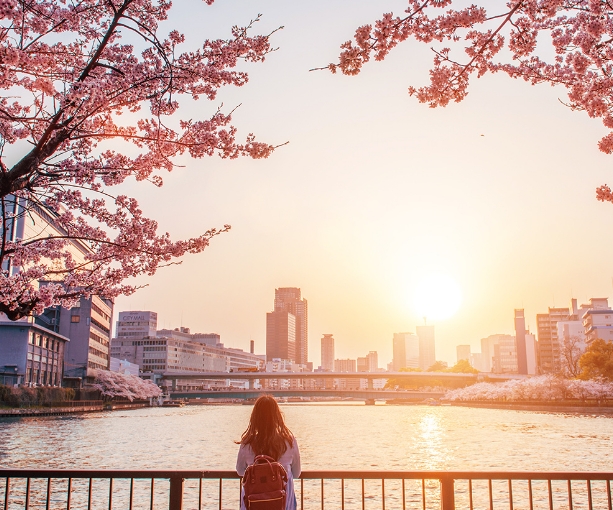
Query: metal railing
(359, 490)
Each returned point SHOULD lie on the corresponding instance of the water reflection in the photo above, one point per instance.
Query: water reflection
(330, 437)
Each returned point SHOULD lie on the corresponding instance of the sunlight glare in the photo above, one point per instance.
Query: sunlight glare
(437, 297)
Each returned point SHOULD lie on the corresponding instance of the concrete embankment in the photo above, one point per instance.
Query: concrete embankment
(552, 407)
(58, 411)
(48, 411)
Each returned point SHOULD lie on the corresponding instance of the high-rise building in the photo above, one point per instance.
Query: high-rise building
(288, 299)
(373, 361)
(281, 336)
(405, 351)
(463, 352)
(136, 324)
(548, 344)
(362, 364)
(88, 325)
(520, 340)
(427, 355)
(327, 352)
(488, 350)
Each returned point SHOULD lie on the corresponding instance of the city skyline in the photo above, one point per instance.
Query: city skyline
(375, 190)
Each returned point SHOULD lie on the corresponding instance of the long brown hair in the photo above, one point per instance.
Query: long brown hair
(267, 433)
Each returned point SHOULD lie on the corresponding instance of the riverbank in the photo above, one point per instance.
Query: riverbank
(551, 407)
(23, 412)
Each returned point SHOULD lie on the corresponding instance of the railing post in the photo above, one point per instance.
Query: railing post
(447, 494)
(176, 493)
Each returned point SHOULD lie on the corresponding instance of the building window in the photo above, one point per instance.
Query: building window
(75, 318)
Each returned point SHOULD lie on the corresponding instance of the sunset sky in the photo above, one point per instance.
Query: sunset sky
(376, 191)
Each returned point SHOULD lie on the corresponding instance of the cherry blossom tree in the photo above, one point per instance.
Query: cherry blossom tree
(542, 388)
(116, 385)
(502, 37)
(69, 69)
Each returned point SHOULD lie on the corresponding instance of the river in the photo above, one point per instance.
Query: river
(330, 436)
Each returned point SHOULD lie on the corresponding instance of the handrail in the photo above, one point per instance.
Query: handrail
(448, 493)
(309, 474)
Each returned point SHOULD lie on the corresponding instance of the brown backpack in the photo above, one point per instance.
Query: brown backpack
(264, 484)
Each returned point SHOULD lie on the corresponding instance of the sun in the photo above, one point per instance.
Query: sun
(436, 297)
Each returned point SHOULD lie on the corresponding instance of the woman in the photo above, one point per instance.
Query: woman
(267, 434)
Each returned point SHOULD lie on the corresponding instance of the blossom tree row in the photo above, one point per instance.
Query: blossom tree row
(542, 388)
(68, 70)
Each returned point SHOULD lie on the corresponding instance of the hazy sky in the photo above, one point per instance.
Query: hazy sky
(374, 191)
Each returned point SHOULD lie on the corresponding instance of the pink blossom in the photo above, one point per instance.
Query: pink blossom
(75, 71)
(580, 34)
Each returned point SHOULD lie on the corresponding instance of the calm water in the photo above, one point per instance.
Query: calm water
(330, 437)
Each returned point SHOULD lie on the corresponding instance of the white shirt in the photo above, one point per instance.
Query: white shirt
(290, 460)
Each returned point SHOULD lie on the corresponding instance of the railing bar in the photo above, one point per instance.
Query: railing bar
(470, 493)
(200, 494)
(530, 494)
(404, 503)
(342, 494)
(322, 494)
(510, 495)
(110, 493)
(302, 494)
(6, 493)
(589, 494)
(608, 494)
(363, 500)
(423, 493)
(131, 492)
(383, 492)
(489, 481)
(570, 496)
(550, 494)
(48, 494)
(151, 500)
(220, 492)
(27, 493)
(69, 495)
(89, 494)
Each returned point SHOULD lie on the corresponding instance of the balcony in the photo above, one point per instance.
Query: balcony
(361, 490)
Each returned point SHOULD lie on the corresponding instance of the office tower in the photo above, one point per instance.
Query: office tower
(88, 325)
(520, 340)
(405, 351)
(280, 336)
(490, 353)
(288, 299)
(427, 356)
(463, 352)
(136, 324)
(548, 344)
(327, 352)
(372, 359)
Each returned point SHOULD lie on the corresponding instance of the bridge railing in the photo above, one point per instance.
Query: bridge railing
(359, 490)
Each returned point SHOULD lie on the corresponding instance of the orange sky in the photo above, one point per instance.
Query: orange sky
(375, 190)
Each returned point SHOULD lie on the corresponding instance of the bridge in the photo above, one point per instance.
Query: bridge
(367, 395)
(423, 377)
